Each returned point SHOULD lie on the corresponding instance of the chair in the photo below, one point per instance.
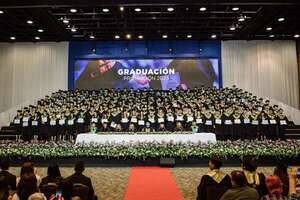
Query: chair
(49, 189)
(81, 191)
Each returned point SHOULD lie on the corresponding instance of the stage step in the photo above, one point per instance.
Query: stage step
(292, 132)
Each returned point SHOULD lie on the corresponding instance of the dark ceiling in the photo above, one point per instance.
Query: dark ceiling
(152, 22)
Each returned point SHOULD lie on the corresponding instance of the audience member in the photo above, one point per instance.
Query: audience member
(26, 187)
(28, 168)
(253, 178)
(274, 186)
(37, 196)
(240, 190)
(281, 171)
(215, 183)
(3, 189)
(78, 177)
(9, 178)
(294, 194)
(53, 175)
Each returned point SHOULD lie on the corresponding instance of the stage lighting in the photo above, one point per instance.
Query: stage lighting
(105, 10)
(138, 10)
(128, 36)
(165, 36)
(12, 38)
(232, 28)
(37, 38)
(235, 8)
(140, 37)
(73, 29)
(73, 10)
(121, 8)
(241, 18)
(202, 9)
(269, 28)
(189, 36)
(117, 37)
(92, 36)
(281, 19)
(40, 30)
(170, 9)
(1, 11)
(213, 36)
(29, 22)
(65, 20)
(271, 36)
(296, 36)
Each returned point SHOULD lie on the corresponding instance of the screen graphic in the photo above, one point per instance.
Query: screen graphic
(162, 74)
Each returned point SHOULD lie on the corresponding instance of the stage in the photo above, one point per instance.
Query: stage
(88, 138)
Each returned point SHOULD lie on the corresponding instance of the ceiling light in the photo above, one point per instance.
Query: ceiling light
(213, 36)
(202, 9)
(170, 9)
(189, 36)
(37, 38)
(117, 37)
(105, 10)
(40, 30)
(73, 29)
(92, 36)
(232, 28)
(271, 36)
(165, 36)
(12, 38)
(269, 28)
(29, 22)
(1, 11)
(296, 36)
(140, 37)
(281, 19)
(122, 8)
(65, 20)
(128, 36)
(235, 8)
(242, 18)
(73, 10)
(138, 10)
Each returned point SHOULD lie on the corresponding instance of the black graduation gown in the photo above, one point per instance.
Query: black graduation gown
(44, 129)
(209, 189)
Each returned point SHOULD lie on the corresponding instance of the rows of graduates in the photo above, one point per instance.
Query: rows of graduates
(226, 111)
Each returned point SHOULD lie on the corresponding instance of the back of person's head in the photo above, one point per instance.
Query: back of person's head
(67, 189)
(4, 164)
(3, 188)
(76, 198)
(53, 170)
(238, 178)
(274, 184)
(27, 168)
(281, 171)
(249, 164)
(27, 186)
(215, 163)
(79, 167)
(37, 196)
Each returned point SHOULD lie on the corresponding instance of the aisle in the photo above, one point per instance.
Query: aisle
(152, 183)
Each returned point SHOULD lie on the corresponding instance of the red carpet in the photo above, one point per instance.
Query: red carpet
(152, 183)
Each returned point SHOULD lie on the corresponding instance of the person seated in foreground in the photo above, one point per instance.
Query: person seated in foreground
(26, 187)
(53, 175)
(28, 168)
(78, 177)
(274, 186)
(214, 184)
(37, 196)
(294, 194)
(254, 179)
(240, 189)
(9, 178)
(4, 193)
(281, 171)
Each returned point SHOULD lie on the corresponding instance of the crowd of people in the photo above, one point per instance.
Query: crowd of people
(244, 184)
(229, 112)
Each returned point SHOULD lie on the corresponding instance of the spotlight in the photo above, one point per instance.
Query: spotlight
(170, 9)
(232, 28)
(189, 36)
(121, 8)
(242, 18)
(271, 36)
(269, 28)
(117, 37)
(202, 9)
(73, 29)
(105, 10)
(40, 30)
(140, 37)
(235, 8)
(128, 36)
(165, 36)
(281, 19)
(296, 36)
(37, 38)
(73, 10)
(1, 11)
(65, 20)
(29, 22)
(92, 36)
(12, 38)
(138, 10)
(213, 36)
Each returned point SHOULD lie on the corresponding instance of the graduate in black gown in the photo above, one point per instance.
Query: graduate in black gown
(215, 183)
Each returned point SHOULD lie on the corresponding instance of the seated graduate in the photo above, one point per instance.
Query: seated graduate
(93, 128)
(254, 179)
(131, 128)
(161, 128)
(194, 127)
(178, 127)
(148, 128)
(215, 183)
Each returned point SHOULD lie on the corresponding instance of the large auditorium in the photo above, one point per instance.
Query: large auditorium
(149, 100)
